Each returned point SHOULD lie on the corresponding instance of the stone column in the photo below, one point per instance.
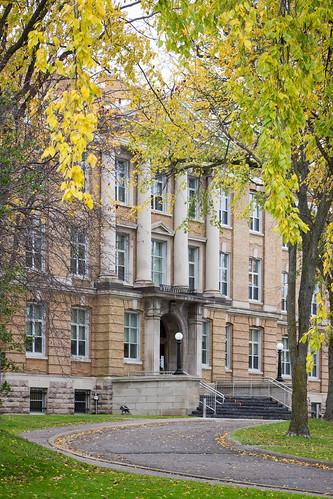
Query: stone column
(108, 239)
(152, 336)
(212, 251)
(143, 243)
(194, 342)
(180, 265)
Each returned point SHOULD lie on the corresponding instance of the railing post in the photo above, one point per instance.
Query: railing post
(204, 409)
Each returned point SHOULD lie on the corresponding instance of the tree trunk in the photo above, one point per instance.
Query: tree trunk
(299, 412)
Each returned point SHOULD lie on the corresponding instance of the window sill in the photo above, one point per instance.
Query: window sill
(207, 367)
(80, 359)
(133, 361)
(228, 370)
(314, 379)
(255, 371)
(226, 226)
(40, 356)
(255, 233)
(255, 302)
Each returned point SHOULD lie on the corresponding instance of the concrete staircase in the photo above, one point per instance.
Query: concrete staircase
(246, 408)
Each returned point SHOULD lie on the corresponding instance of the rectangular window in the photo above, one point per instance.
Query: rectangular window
(158, 194)
(254, 279)
(122, 257)
(35, 245)
(80, 332)
(285, 358)
(228, 346)
(193, 268)
(38, 400)
(132, 335)
(224, 207)
(205, 343)
(284, 291)
(121, 182)
(314, 305)
(158, 263)
(192, 196)
(35, 328)
(224, 274)
(79, 252)
(81, 401)
(255, 350)
(255, 214)
(314, 374)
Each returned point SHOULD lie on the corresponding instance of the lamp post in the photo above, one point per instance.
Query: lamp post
(179, 337)
(279, 348)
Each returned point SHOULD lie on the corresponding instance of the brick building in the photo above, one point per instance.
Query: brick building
(134, 282)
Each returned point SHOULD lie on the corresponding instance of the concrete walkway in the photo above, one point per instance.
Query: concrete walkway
(186, 449)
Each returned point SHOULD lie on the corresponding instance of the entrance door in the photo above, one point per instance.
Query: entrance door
(163, 348)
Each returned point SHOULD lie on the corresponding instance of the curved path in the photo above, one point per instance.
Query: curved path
(184, 448)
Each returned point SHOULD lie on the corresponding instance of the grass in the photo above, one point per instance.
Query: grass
(273, 437)
(29, 470)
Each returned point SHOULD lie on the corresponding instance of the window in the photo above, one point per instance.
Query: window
(81, 401)
(314, 374)
(285, 358)
(122, 257)
(131, 335)
(85, 169)
(121, 180)
(37, 400)
(224, 274)
(79, 332)
(254, 279)
(255, 350)
(79, 252)
(314, 305)
(158, 252)
(193, 268)
(35, 328)
(224, 207)
(284, 244)
(34, 250)
(158, 194)
(192, 196)
(255, 214)
(228, 347)
(284, 291)
(205, 343)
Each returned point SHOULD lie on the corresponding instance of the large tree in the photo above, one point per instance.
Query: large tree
(256, 96)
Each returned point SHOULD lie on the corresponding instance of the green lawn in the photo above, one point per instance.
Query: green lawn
(273, 437)
(28, 470)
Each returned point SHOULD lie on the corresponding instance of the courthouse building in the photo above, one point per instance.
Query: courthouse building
(137, 280)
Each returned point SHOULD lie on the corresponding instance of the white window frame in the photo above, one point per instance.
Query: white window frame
(131, 336)
(284, 291)
(122, 260)
(254, 279)
(205, 343)
(156, 259)
(285, 358)
(35, 329)
(79, 252)
(192, 197)
(193, 268)
(314, 306)
(35, 245)
(255, 215)
(255, 350)
(314, 374)
(228, 347)
(42, 400)
(121, 180)
(158, 194)
(224, 273)
(77, 338)
(224, 208)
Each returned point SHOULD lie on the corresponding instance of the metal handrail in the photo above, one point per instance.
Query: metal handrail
(214, 394)
(276, 390)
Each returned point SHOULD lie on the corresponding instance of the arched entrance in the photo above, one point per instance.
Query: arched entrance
(168, 346)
